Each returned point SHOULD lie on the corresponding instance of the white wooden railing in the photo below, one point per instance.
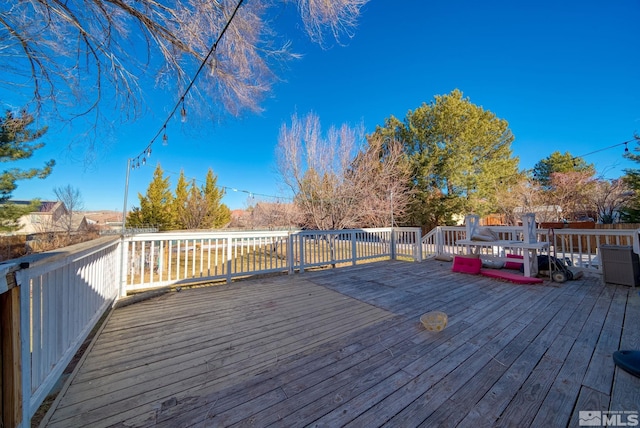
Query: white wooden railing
(162, 259)
(61, 295)
(64, 293)
(579, 247)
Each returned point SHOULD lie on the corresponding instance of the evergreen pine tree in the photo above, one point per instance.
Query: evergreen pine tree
(458, 152)
(180, 203)
(218, 214)
(17, 143)
(631, 211)
(156, 206)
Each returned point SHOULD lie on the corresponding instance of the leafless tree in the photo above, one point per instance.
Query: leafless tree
(69, 54)
(274, 215)
(338, 180)
(73, 203)
(519, 195)
(608, 197)
(379, 177)
(194, 215)
(572, 191)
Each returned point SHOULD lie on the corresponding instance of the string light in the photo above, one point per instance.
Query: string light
(181, 104)
(626, 149)
(232, 189)
(183, 112)
(573, 159)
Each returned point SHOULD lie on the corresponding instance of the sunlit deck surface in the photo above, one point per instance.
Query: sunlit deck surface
(345, 347)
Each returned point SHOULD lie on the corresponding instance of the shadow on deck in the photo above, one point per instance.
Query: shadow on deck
(345, 347)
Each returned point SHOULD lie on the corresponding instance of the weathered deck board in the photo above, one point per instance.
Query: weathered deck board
(626, 387)
(249, 343)
(345, 347)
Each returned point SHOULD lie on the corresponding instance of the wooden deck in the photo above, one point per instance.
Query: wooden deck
(345, 347)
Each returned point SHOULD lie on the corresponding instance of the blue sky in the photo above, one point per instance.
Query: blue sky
(565, 75)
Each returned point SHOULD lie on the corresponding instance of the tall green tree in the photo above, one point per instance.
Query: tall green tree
(17, 142)
(180, 203)
(155, 206)
(630, 212)
(218, 214)
(558, 162)
(458, 151)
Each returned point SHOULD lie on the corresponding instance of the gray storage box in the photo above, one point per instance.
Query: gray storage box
(620, 265)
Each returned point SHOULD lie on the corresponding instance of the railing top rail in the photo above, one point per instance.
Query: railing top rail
(346, 231)
(204, 234)
(601, 232)
(164, 236)
(51, 260)
(557, 231)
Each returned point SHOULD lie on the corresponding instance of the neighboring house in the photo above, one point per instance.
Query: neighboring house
(51, 216)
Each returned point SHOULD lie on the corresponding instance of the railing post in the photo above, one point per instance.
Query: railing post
(290, 257)
(25, 346)
(439, 241)
(393, 244)
(124, 256)
(354, 248)
(229, 257)
(301, 252)
(418, 244)
(12, 388)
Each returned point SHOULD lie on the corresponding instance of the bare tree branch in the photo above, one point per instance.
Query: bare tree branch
(338, 181)
(69, 54)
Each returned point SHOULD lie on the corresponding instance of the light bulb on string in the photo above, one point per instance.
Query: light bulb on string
(144, 161)
(138, 164)
(133, 166)
(626, 148)
(183, 112)
(165, 139)
(149, 152)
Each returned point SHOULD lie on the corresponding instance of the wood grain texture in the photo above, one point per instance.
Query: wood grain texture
(344, 347)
